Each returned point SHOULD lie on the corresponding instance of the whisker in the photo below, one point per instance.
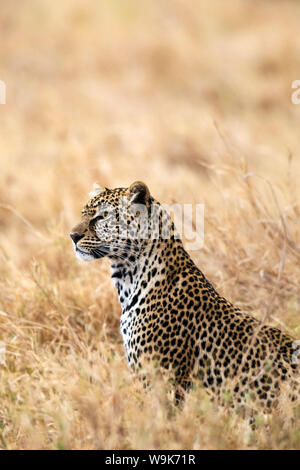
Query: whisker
(123, 247)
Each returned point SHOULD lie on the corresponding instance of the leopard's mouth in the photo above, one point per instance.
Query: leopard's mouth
(83, 255)
(95, 253)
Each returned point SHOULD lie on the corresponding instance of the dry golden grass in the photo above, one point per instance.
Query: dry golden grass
(193, 98)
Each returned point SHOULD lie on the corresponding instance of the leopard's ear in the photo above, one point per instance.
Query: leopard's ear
(96, 190)
(139, 193)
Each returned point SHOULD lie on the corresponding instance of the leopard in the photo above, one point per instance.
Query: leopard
(172, 316)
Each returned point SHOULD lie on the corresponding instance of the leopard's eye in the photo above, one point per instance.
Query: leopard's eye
(103, 215)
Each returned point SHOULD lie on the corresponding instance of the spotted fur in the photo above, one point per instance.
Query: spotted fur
(171, 314)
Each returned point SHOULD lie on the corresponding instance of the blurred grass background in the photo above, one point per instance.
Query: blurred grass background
(192, 97)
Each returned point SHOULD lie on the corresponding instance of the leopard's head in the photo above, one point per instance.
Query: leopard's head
(113, 223)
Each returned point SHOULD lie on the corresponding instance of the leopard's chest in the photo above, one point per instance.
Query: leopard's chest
(130, 295)
(127, 330)
(135, 292)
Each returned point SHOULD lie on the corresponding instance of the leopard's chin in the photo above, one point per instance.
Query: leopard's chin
(83, 256)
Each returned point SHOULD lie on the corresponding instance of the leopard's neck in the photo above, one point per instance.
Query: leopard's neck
(152, 268)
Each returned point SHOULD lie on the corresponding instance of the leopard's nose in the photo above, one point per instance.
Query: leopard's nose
(75, 237)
